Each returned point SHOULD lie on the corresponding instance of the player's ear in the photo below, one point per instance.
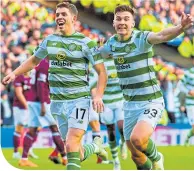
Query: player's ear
(113, 24)
(74, 18)
(133, 24)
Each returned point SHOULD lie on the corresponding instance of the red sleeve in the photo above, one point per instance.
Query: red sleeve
(18, 82)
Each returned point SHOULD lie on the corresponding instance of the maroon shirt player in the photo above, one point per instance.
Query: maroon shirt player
(40, 115)
(22, 90)
(42, 82)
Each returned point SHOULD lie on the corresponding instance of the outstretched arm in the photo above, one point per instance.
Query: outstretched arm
(170, 33)
(26, 66)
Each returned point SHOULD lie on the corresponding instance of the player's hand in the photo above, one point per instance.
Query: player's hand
(191, 93)
(9, 78)
(186, 21)
(26, 106)
(98, 104)
(43, 110)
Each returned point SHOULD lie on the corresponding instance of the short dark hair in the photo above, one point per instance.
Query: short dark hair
(72, 8)
(122, 8)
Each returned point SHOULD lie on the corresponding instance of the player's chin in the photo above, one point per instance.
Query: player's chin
(122, 32)
(60, 27)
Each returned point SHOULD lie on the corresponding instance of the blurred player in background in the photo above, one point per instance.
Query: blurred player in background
(69, 53)
(188, 88)
(144, 104)
(40, 115)
(22, 88)
(113, 112)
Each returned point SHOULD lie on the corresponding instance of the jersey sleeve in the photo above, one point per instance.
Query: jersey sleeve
(105, 50)
(92, 53)
(145, 45)
(41, 51)
(18, 81)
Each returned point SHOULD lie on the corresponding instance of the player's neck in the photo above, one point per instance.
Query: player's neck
(126, 37)
(68, 31)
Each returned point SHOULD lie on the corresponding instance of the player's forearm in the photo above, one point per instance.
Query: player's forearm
(170, 33)
(93, 92)
(102, 80)
(27, 66)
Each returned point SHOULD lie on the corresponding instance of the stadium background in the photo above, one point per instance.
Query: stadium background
(24, 24)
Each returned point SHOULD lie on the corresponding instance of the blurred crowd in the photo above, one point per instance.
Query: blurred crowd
(152, 15)
(169, 76)
(24, 24)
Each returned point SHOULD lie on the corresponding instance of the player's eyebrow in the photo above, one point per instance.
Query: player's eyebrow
(63, 13)
(121, 16)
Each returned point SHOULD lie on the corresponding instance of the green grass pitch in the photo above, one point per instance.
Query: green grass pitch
(175, 158)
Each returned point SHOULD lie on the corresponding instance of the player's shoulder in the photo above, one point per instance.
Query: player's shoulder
(113, 38)
(50, 36)
(88, 41)
(79, 35)
(139, 33)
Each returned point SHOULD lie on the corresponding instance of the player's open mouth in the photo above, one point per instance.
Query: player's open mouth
(61, 24)
(122, 27)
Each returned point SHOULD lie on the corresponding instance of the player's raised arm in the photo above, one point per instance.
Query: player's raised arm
(172, 32)
(39, 53)
(26, 66)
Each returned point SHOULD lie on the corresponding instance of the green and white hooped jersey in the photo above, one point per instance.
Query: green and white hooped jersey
(69, 57)
(135, 67)
(113, 96)
(188, 82)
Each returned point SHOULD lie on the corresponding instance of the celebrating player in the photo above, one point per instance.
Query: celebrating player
(69, 53)
(143, 106)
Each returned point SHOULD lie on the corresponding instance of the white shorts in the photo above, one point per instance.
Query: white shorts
(111, 116)
(20, 116)
(35, 120)
(71, 114)
(151, 112)
(190, 114)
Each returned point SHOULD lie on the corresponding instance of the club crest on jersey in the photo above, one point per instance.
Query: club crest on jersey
(61, 56)
(72, 47)
(120, 59)
(127, 49)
